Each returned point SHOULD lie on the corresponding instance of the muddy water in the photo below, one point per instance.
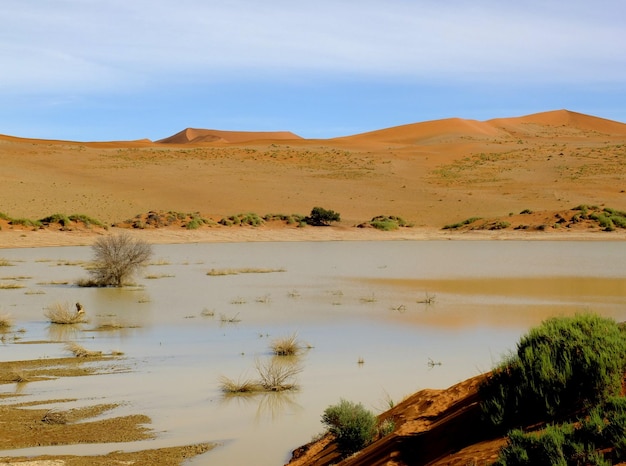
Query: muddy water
(348, 301)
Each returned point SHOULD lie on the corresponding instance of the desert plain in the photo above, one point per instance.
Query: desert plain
(516, 178)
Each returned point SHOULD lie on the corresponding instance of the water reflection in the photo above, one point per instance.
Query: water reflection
(64, 332)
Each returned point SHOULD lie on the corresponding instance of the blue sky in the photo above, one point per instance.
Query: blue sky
(129, 69)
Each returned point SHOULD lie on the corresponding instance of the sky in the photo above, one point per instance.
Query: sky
(101, 70)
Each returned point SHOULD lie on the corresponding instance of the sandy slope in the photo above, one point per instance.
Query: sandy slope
(430, 173)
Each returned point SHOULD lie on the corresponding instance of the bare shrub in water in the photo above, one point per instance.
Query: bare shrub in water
(62, 313)
(116, 259)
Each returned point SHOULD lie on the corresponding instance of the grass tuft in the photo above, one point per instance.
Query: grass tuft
(6, 320)
(81, 352)
(62, 313)
(286, 346)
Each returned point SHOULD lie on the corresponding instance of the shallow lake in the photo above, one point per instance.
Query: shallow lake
(358, 306)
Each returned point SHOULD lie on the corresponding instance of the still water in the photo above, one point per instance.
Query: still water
(358, 306)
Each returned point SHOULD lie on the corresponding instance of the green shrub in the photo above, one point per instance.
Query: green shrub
(290, 219)
(353, 426)
(603, 220)
(454, 226)
(387, 222)
(562, 365)
(250, 219)
(26, 222)
(61, 219)
(598, 438)
(88, 221)
(542, 449)
(500, 225)
(322, 217)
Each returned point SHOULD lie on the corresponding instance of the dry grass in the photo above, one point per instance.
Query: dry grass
(54, 417)
(111, 326)
(54, 282)
(206, 312)
(10, 286)
(221, 272)
(19, 376)
(231, 386)
(62, 313)
(428, 299)
(81, 352)
(155, 276)
(6, 320)
(369, 299)
(265, 299)
(274, 376)
(286, 346)
(229, 319)
(277, 376)
(5, 262)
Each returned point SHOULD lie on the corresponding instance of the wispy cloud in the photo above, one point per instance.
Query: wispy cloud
(123, 44)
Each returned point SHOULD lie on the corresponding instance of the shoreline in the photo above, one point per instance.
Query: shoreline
(15, 239)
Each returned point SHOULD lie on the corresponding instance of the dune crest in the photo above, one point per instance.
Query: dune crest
(560, 118)
(203, 136)
(429, 131)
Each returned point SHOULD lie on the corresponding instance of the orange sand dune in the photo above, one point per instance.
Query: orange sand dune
(562, 119)
(428, 132)
(199, 136)
(431, 174)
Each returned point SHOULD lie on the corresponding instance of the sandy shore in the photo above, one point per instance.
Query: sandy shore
(49, 238)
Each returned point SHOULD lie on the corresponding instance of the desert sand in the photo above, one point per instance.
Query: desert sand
(431, 174)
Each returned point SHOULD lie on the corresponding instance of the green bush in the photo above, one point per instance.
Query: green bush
(353, 426)
(598, 438)
(322, 217)
(250, 219)
(562, 365)
(454, 226)
(88, 221)
(61, 219)
(387, 222)
(26, 222)
(288, 219)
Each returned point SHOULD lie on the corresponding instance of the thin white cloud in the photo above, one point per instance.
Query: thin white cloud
(104, 44)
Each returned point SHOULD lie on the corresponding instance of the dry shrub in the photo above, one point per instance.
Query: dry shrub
(274, 376)
(286, 346)
(116, 258)
(81, 352)
(6, 320)
(228, 385)
(61, 313)
(54, 417)
(277, 376)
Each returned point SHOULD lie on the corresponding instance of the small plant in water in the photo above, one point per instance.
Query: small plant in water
(277, 376)
(286, 346)
(62, 313)
(228, 385)
(6, 321)
(229, 319)
(81, 352)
